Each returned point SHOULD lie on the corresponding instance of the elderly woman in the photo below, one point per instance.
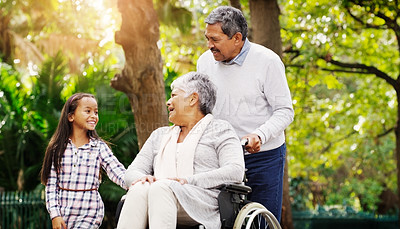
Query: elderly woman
(174, 179)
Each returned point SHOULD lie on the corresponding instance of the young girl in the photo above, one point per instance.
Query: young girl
(72, 163)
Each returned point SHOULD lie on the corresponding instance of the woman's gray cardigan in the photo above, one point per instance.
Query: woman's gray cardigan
(218, 160)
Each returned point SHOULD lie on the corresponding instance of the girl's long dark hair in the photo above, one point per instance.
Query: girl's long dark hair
(59, 140)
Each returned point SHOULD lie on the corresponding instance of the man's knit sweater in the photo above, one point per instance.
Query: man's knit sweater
(253, 97)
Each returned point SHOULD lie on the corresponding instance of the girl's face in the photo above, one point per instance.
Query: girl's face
(85, 116)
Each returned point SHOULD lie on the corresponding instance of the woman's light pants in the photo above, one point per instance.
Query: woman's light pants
(154, 205)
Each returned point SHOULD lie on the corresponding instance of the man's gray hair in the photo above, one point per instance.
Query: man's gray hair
(201, 84)
(231, 19)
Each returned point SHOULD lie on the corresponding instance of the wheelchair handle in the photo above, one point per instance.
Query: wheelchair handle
(244, 141)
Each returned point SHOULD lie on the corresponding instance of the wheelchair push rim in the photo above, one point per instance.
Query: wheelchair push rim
(250, 215)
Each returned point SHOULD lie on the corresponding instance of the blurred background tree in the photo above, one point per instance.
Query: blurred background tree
(343, 133)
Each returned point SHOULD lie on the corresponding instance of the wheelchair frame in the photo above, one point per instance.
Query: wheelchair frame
(242, 213)
(236, 212)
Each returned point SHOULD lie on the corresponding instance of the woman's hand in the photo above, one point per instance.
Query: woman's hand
(145, 179)
(58, 223)
(180, 180)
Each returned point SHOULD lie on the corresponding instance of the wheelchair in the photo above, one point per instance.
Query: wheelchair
(236, 212)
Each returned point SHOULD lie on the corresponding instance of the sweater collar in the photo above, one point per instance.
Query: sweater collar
(239, 59)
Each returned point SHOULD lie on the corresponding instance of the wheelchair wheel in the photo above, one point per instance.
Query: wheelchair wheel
(255, 216)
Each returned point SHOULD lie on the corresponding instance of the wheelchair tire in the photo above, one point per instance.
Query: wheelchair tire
(249, 217)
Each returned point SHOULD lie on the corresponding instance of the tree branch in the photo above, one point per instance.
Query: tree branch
(345, 71)
(390, 23)
(368, 25)
(326, 148)
(294, 65)
(289, 49)
(386, 132)
(365, 69)
(120, 82)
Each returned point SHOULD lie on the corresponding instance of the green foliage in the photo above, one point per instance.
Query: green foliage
(169, 76)
(22, 131)
(27, 16)
(366, 193)
(298, 191)
(171, 14)
(180, 50)
(341, 136)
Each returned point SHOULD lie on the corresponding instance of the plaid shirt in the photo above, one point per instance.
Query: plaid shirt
(80, 168)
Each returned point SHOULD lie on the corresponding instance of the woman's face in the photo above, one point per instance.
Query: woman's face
(178, 106)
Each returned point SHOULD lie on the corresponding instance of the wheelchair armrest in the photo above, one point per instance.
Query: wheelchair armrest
(119, 208)
(237, 188)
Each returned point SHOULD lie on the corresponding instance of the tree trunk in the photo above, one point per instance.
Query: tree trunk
(397, 149)
(5, 39)
(264, 15)
(142, 78)
(287, 219)
(266, 30)
(236, 4)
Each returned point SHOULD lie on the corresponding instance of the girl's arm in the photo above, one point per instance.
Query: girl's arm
(51, 194)
(114, 169)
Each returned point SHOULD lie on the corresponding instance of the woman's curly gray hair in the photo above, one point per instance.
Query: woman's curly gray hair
(196, 82)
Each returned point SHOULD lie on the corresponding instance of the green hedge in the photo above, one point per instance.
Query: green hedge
(342, 219)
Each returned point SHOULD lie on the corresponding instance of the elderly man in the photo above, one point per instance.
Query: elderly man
(253, 95)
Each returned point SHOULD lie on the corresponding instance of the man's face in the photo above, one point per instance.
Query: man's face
(223, 48)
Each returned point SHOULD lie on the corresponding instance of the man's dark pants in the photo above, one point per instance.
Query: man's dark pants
(265, 176)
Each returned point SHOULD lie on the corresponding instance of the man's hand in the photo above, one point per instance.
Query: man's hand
(58, 223)
(253, 143)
